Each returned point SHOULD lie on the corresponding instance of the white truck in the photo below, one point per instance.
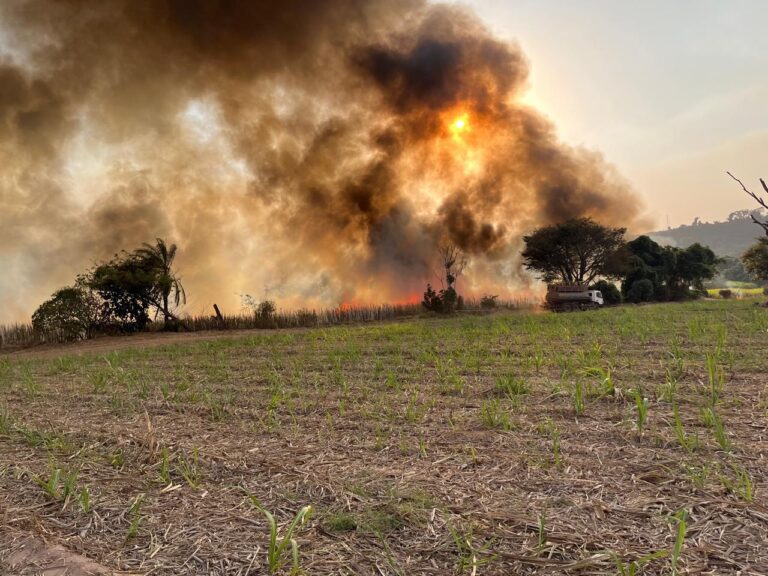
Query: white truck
(569, 297)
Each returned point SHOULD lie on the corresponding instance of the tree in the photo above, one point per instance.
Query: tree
(126, 287)
(159, 259)
(693, 265)
(263, 311)
(453, 261)
(640, 291)
(740, 215)
(670, 272)
(576, 251)
(119, 293)
(755, 259)
(731, 269)
(647, 261)
(133, 283)
(72, 313)
(763, 204)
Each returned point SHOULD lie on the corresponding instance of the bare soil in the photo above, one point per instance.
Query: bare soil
(25, 555)
(143, 340)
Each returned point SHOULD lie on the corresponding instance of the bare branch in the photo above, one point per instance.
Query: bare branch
(757, 199)
(453, 258)
(759, 223)
(752, 194)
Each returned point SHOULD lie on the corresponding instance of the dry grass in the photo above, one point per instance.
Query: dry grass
(424, 447)
(21, 335)
(737, 292)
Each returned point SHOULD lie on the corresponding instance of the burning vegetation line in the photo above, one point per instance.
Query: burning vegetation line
(119, 296)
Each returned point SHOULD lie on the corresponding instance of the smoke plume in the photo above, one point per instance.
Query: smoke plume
(319, 152)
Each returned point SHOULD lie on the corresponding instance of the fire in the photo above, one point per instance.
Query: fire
(354, 303)
(459, 125)
(462, 143)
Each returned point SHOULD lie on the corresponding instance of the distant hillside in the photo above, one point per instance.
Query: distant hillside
(729, 238)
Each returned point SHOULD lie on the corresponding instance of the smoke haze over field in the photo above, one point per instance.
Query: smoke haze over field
(320, 149)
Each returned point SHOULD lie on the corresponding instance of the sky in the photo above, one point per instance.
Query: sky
(672, 93)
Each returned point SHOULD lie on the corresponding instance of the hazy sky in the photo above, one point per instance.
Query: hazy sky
(674, 93)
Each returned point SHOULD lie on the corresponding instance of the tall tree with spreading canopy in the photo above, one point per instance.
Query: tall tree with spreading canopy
(125, 287)
(133, 283)
(691, 266)
(576, 251)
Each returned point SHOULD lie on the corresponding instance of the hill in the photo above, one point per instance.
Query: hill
(729, 238)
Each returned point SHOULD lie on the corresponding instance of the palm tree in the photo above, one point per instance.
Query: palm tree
(159, 259)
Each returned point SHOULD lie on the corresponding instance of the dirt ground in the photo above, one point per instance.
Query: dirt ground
(507, 444)
(25, 555)
(109, 343)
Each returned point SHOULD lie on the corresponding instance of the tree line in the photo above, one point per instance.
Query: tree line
(121, 295)
(582, 251)
(127, 292)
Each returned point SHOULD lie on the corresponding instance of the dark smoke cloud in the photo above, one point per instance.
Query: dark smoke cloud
(300, 148)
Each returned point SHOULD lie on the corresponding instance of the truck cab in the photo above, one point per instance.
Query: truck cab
(596, 296)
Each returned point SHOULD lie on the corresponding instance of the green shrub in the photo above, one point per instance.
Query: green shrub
(488, 301)
(70, 314)
(443, 302)
(511, 386)
(640, 291)
(263, 311)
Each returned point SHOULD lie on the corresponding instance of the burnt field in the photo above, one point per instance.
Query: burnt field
(510, 443)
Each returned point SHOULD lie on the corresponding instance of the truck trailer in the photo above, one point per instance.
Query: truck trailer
(570, 297)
